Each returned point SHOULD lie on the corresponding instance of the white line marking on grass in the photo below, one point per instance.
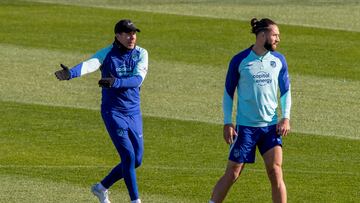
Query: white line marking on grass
(174, 168)
(328, 16)
(319, 104)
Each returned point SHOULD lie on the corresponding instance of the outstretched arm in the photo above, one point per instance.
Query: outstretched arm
(85, 67)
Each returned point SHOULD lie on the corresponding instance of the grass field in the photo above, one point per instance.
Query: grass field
(53, 144)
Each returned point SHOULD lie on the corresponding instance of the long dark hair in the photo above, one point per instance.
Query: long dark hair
(260, 25)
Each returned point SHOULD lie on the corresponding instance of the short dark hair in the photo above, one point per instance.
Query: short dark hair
(260, 25)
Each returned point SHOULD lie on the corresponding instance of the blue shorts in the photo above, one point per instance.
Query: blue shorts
(243, 149)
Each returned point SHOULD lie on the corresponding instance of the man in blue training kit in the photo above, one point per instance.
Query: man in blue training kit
(257, 73)
(123, 66)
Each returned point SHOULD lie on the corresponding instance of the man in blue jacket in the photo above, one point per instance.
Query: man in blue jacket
(123, 66)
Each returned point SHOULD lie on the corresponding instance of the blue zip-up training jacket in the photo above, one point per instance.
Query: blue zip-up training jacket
(129, 67)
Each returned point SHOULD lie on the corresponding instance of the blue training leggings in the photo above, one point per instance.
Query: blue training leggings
(127, 135)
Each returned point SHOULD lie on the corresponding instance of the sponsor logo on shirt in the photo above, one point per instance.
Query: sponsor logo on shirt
(262, 78)
(126, 64)
(124, 70)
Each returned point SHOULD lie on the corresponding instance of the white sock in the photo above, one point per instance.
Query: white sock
(136, 201)
(210, 201)
(101, 187)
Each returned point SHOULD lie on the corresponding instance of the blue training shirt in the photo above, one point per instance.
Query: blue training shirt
(257, 80)
(129, 69)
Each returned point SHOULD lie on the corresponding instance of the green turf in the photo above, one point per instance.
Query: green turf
(70, 143)
(174, 73)
(313, 13)
(183, 160)
(316, 109)
(309, 51)
(53, 154)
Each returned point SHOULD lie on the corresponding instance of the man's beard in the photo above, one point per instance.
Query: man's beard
(268, 46)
